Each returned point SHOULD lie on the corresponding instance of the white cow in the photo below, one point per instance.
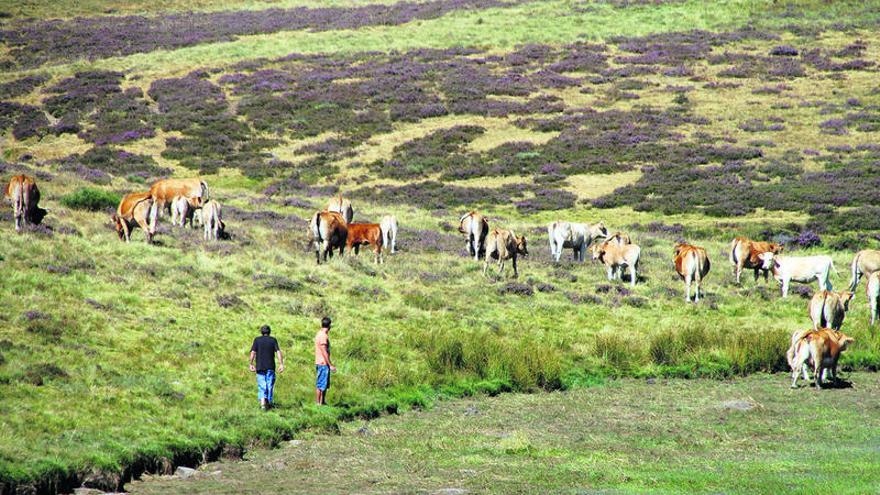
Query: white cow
(577, 236)
(874, 295)
(388, 225)
(802, 269)
(475, 227)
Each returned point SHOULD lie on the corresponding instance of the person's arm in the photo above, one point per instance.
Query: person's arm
(251, 361)
(280, 360)
(326, 356)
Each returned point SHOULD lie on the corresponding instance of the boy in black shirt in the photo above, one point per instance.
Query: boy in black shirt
(263, 351)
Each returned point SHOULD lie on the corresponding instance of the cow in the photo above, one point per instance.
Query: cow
(828, 309)
(803, 269)
(617, 257)
(873, 291)
(692, 264)
(820, 349)
(577, 236)
(23, 193)
(865, 262)
(184, 210)
(475, 227)
(389, 232)
(621, 238)
(133, 209)
(362, 234)
(166, 191)
(328, 230)
(212, 220)
(342, 206)
(745, 253)
(502, 245)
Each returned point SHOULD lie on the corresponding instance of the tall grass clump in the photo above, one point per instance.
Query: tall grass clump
(91, 199)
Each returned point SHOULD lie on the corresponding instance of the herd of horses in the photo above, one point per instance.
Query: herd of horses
(333, 229)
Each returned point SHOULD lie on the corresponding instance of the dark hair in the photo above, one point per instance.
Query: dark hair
(325, 322)
(265, 329)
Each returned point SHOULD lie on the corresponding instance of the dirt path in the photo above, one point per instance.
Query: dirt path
(751, 435)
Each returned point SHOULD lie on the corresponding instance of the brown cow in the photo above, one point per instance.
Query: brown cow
(166, 191)
(692, 264)
(746, 253)
(342, 206)
(504, 245)
(328, 230)
(828, 309)
(23, 193)
(819, 348)
(617, 257)
(365, 233)
(133, 209)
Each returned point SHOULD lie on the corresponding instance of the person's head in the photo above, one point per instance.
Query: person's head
(265, 330)
(325, 323)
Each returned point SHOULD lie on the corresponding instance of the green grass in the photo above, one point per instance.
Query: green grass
(625, 436)
(138, 361)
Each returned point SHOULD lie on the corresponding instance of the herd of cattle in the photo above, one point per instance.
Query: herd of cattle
(333, 229)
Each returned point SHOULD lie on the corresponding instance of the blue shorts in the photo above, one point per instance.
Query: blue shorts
(322, 382)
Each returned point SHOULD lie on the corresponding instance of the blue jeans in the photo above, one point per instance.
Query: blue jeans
(266, 384)
(322, 381)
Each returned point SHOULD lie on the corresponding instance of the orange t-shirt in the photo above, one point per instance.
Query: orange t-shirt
(321, 341)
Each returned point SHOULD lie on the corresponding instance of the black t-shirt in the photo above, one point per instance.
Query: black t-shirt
(265, 347)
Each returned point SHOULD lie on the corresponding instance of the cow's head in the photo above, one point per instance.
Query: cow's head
(845, 297)
(117, 224)
(37, 215)
(679, 247)
(768, 260)
(598, 251)
(844, 341)
(775, 248)
(598, 230)
(521, 247)
(461, 222)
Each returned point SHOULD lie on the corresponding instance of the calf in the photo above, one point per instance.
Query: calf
(504, 245)
(617, 257)
(746, 253)
(621, 238)
(865, 262)
(212, 220)
(133, 209)
(328, 230)
(389, 232)
(475, 227)
(365, 233)
(828, 309)
(343, 207)
(23, 193)
(577, 236)
(820, 349)
(183, 210)
(166, 191)
(692, 265)
(802, 269)
(873, 291)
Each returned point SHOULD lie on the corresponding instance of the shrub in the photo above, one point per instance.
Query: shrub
(90, 199)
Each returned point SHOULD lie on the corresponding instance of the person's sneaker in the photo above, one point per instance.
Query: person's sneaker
(263, 407)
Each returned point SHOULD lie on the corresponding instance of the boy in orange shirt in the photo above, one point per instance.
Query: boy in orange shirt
(323, 365)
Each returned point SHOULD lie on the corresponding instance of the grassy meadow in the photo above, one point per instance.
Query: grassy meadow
(119, 359)
(624, 436)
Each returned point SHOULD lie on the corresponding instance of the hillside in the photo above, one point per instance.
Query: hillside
(668, 120)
